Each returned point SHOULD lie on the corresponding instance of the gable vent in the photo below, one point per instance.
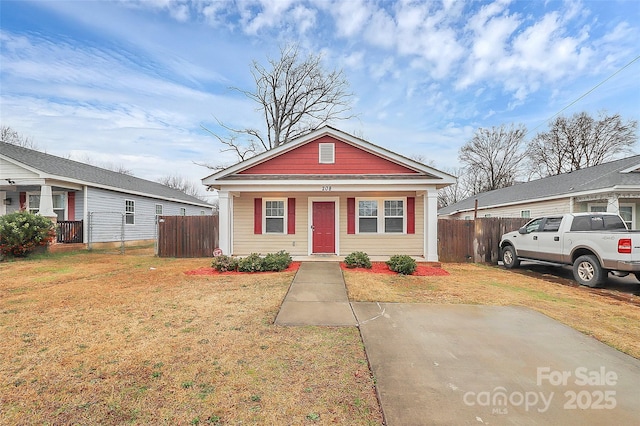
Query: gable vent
(327, 153)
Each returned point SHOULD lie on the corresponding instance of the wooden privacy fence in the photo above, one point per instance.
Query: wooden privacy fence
(187, 236)
(473, 240)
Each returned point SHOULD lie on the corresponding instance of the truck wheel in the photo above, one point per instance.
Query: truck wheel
(509, 257)
(587, 271)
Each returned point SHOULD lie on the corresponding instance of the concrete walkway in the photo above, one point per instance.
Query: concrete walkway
(463, 364)
(317, 296)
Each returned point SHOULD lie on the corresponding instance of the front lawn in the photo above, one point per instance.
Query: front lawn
(91, 338)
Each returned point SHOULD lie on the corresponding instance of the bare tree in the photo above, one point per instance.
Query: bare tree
(580, 141)
(183, 184)
(8, 135)
(295, 95)
(493, 157)
(453, 193)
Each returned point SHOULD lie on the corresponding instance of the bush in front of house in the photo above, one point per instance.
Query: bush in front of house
(357, 259)
(272, 262)
(251, 263)
(22, 232)
(224, 263)
(402, 264)
(276, 262)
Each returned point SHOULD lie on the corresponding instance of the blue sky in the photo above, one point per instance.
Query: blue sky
(132, 82)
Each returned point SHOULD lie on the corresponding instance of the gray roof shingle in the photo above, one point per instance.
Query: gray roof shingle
(65, 168)
(602, 176)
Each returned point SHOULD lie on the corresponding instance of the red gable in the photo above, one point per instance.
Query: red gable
(349, 160)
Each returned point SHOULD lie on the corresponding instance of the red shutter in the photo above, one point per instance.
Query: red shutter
(291, 216)
(71, 206)
(411, 215)
(23, 200)
(257, 215)
(351, 215)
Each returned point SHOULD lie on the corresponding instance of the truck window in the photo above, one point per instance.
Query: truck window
(613, 222)
(581, 223)
(552, 224)
(534, 225)
(597, 223)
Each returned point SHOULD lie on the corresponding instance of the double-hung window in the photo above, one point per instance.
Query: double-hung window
(58, 204)
(274, 216)
(393, 216)
(129, 212)
(389, 219)
(367, 216)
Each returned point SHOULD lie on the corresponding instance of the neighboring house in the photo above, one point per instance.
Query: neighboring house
(329, 193)
(90, 204)
(611, 187)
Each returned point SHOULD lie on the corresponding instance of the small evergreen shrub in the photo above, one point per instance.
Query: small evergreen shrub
(225, 263)
(276, 262)
(358, 259)
(402, 264)
(251, 263)
(21, 232)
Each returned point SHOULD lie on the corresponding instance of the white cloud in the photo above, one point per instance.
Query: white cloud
(351, 16)
(381, 30)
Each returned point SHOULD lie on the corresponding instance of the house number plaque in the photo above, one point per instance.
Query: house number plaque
(326, 188)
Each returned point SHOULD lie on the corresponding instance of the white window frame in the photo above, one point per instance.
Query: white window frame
(326, 153)
(526, 214)
(161, 209)
(183, 211)
(381, 217)
(284, 218)
(631, 205)
(129, 213)
(63, 209)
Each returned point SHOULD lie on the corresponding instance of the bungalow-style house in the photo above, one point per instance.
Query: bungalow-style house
(608, 187)
(328, 192)
(90, 204)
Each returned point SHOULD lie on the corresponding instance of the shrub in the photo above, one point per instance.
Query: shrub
(402, 264)
(276, 262)
(21, 232)
(224, 263)
(251, 263)
(358, 259)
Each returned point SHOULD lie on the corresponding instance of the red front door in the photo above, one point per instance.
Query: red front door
(324, 223)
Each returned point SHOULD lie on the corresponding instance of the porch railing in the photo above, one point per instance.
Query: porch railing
(69, 231)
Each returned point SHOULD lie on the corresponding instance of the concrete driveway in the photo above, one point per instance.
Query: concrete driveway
(470, 365)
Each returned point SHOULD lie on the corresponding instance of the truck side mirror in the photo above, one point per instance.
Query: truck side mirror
(523, 230)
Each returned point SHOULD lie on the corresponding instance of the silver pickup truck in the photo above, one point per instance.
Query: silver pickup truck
(593, 243)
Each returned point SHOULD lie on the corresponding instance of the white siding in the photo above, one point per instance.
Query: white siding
(541, 208)
(16, 173)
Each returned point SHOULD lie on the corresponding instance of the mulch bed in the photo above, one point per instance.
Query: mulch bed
(382, 268)
(211, 271)
(376, 268)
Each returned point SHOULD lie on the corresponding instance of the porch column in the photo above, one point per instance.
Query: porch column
(46, 203)
(431, 225)
(613, 206)
(225, 213)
